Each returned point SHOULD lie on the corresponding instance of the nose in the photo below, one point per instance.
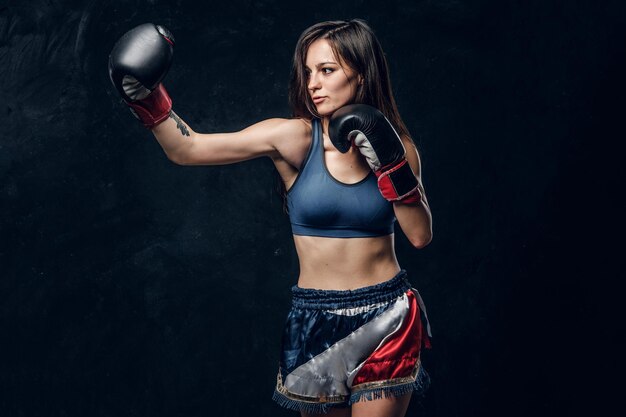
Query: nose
(314, 82)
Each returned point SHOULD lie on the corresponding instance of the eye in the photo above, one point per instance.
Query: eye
(327, 70)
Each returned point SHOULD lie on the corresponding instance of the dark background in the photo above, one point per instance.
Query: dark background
(130, 286)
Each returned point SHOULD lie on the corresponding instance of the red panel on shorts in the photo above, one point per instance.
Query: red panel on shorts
(397, 357)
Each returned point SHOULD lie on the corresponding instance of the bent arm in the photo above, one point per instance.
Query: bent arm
(415, 219)
(184, 146)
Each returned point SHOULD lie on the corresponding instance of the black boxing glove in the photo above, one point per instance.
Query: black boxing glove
(137, 64)
(369, 130)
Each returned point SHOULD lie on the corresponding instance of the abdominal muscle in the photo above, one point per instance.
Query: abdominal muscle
(345, 263)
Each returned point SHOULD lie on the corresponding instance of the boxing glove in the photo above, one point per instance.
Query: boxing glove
(137, 64)
(369, 130)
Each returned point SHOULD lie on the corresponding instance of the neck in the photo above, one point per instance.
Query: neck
(325, 121)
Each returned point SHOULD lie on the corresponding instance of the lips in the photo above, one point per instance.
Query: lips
(318, 100)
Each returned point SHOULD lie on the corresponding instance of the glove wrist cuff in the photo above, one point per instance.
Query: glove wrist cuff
(397, 183)
(153, 109)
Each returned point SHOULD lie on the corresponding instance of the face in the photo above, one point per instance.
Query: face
(330, 84)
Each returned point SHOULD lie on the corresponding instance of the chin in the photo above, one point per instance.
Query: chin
(326, 110)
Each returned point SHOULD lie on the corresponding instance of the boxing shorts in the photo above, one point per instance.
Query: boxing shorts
(341, 347)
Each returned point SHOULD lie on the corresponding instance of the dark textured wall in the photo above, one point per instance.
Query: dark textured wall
(130, 286)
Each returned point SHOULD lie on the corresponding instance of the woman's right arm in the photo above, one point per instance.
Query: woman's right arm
(184, 146)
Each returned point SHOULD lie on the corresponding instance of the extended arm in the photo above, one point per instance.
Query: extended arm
(138, 63)
(184, 146)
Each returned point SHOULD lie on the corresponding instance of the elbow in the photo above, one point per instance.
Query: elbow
(421, 241)
(177, 158)
(182, 154)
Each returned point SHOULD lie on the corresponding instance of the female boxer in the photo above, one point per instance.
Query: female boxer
(352, 341)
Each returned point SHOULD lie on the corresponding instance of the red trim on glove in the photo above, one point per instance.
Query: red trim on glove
(397, 183)
(153, 109)
(414, 198)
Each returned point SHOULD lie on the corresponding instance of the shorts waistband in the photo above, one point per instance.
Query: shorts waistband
(332, 299)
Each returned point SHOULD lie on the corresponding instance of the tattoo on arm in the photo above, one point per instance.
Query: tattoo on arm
(179, 124)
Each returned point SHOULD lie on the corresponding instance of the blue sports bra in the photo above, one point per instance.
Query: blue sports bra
(319, 205)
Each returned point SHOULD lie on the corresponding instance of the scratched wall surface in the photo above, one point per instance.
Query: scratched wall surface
(130, 286)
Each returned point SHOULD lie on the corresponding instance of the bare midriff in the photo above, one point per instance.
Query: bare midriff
(345, 263)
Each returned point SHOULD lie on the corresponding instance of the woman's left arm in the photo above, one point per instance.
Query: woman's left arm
(415, 219)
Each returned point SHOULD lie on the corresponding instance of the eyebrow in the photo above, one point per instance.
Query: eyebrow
(323, 63)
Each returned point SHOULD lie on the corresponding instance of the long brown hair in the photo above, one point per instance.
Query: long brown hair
(354, 43)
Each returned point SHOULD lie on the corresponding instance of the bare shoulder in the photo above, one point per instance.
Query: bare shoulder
(285, 129)
(292, 139)
(280, 124)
